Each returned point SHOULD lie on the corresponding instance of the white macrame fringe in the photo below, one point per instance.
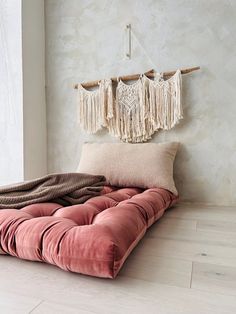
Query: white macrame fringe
(95, 107)
(137, 111)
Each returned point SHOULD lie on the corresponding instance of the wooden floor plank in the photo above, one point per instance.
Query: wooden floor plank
(218, 226)
(201, 212)
(58, 308)
(169, 222)
(187, 250)
(123, 295)
(214, 278)
(16, 302)
(195, 236)
(168, 271)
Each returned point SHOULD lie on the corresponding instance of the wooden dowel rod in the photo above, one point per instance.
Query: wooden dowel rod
(132, 77)
(183, 71)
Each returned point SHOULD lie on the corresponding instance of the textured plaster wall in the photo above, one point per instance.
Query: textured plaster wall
(85, 41)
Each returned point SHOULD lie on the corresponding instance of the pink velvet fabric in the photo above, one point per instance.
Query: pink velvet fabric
(93, 238)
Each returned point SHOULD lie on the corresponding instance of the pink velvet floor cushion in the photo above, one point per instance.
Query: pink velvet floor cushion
(93, 238)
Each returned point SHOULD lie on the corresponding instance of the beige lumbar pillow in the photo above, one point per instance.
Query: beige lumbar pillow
(131, 165)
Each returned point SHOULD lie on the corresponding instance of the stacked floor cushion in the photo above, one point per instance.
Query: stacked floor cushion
(93, 238)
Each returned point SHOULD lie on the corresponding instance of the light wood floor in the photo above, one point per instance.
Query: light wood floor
(186, 263)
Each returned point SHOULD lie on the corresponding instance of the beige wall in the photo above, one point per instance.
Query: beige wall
(34, 105)
(85, 41)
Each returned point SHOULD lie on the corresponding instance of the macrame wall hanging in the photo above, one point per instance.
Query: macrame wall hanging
(133, 112)
(96, 106)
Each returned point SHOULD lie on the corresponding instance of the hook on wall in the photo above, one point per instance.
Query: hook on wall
(128, 41)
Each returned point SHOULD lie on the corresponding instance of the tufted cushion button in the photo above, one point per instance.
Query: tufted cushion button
(41, 209)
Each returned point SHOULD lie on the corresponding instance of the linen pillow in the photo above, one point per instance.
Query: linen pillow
(145, 165)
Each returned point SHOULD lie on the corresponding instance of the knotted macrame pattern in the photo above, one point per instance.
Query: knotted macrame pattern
(137, 111)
